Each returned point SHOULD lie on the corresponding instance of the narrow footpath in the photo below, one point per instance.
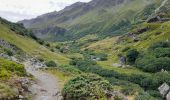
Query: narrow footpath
(46, 87)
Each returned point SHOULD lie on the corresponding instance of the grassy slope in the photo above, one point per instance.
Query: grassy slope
(9, 71)
(30, 46)
(112, 48)
(100, 20)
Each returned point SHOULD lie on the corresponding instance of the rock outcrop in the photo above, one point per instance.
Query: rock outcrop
(164, 90)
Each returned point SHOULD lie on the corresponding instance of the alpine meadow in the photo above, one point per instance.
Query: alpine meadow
(88, 50)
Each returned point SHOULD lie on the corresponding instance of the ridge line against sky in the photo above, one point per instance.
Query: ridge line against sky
(16, 10)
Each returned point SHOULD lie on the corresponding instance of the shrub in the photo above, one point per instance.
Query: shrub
(9, 52)
(152, 64)
(9, 67)
(52, 50)
(159, 45)
(86, 86)
(33, 36)
(125, 49)
(40, 59)
(102, 56)
(50, 64)
(4, 74)
(47, 44)
(132, 56)
(40, 41)
(144, 96)
(162, 52)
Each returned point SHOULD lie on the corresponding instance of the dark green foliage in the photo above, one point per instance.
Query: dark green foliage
(162, 52)
(33, 36)
(144, 96)
(41, 59)
(86, 86)
(125, 49)
(40, 41)
(9, 52)
(132, 56)
(52, 50)
(128, 88)
(152, 64)
(155, 94)
(50, 64)
(148, 82)
(156, 58)
(47, 44)
(161, 44)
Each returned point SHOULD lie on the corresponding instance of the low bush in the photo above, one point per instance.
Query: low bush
(132, 56)
(162, 52)
(161, 44)
(50, 64)
(148, 82)
(144, 96)
(152, 64)
(9, 52)
(86, 86)
(8, 68)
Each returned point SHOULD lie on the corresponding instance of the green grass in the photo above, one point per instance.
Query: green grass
(112, 48)
(30, 46)
(6, 92)
(99, 20)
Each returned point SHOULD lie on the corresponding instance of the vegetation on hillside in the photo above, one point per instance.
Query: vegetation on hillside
(90, 66)
(10, 70)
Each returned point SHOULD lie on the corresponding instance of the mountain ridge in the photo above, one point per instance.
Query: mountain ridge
(95, 17)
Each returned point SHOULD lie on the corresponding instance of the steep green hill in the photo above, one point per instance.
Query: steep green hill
(28, 45)
(101, 17)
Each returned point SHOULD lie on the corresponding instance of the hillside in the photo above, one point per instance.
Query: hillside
(101, 17)
(18, 46)
(28, 45)
(145, 48)
(108, 50)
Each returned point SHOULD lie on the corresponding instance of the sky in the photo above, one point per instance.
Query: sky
(16, 10)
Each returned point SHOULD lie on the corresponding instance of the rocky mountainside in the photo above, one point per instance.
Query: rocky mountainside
(101, 17)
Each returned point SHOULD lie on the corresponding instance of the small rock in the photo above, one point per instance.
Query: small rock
(164, 89)
(21, 97)
(168, 96)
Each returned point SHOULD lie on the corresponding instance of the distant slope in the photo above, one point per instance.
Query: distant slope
(102, 17)
(29, 45)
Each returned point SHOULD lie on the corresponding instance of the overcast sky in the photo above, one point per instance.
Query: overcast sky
(15, 10)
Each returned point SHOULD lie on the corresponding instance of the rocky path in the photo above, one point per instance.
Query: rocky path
(46, 87)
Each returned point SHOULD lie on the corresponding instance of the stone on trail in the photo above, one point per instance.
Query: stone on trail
(164, 89)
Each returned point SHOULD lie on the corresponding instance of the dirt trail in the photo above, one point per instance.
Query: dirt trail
(46, 87)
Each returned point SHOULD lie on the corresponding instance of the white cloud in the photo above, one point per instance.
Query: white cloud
(15, 10)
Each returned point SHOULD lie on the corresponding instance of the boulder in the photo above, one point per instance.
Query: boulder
(168, 96)
(164, 89)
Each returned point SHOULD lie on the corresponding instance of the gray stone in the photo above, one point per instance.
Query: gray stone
(122, 60)
(168, 96)
(164, 89)
(21, 97)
